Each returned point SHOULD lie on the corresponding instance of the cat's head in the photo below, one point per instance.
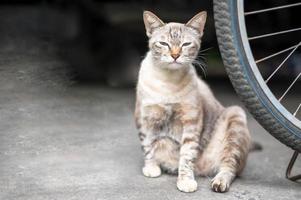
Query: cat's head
(174, 45)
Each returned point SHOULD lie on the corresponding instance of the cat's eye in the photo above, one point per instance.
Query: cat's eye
(186, 44)
(164, 44)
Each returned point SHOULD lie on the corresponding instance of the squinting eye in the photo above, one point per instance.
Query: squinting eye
(186, 44)
(164, 44)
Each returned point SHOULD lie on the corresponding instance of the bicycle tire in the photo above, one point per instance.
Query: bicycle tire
(256, 98)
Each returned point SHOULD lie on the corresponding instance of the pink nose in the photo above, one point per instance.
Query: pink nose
(175, 55)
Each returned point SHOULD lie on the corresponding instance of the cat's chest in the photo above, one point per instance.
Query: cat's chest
(170, 121)
(156, 93)
(170, 100)
(166, 99)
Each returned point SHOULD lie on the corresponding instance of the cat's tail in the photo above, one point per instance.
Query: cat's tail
(255, 146)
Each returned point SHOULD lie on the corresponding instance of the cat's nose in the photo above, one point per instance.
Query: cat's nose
(175, 52)
(175, 55)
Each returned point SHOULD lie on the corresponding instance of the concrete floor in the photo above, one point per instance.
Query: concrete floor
(78, 141)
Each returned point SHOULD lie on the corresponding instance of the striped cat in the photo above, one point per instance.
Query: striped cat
(182, 127)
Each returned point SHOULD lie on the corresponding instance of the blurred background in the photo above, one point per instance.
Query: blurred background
(104, 40)
(100, 40)
(67, 74)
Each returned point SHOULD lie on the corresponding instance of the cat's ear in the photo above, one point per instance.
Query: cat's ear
(198, 22)
(151, 22)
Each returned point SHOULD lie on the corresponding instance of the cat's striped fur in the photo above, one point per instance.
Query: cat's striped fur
(182, 127)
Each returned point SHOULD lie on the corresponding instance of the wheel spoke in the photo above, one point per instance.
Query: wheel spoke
(295, 113)
(291, 85)
(275, 54)
(273, 8)
(275, 33)
(289, 55)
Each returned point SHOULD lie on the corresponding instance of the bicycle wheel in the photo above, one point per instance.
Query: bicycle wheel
(247, 79)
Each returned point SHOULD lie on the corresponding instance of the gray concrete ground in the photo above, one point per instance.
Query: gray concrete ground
(78, 141)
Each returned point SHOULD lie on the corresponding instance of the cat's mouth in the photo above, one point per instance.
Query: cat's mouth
(175, 62)
(175, 65)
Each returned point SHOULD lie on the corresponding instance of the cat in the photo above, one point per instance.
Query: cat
(182, 127)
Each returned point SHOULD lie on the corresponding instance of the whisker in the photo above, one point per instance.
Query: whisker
(201, 58)
(203, 50)
(201, 55)
(201, 65)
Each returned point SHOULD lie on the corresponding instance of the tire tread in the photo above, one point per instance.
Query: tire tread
(239, 80)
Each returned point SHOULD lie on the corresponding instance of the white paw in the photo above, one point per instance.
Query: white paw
(220, 184)
(151, 171)
(187, 185)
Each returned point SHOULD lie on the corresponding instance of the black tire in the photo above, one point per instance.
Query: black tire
(254, 94)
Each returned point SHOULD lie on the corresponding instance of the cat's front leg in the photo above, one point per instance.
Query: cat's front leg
(153, 120)
(189, 150)
(151, 168)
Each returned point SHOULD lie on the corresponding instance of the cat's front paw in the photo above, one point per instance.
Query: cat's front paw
(151, 171)
(220, 184)
(187, 185)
